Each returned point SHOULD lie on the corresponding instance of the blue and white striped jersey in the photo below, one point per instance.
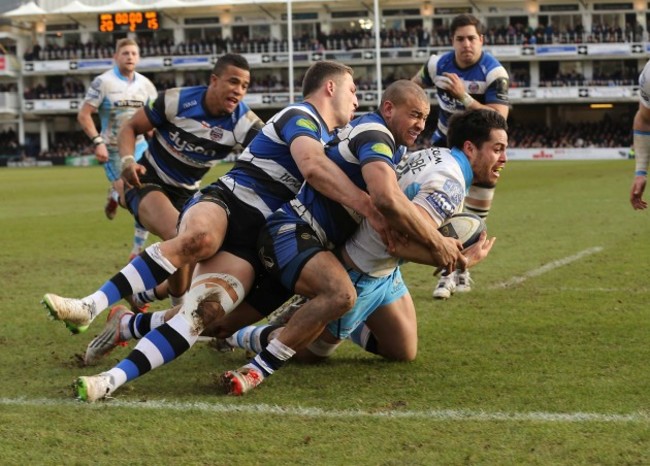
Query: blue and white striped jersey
(486, 81)
(265, 175)
(188, 140)
(366, 139)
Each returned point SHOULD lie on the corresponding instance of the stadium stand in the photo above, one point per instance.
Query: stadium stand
(561, 58)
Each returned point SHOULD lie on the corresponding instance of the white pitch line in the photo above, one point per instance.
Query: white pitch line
(431, 414)
(547, 268)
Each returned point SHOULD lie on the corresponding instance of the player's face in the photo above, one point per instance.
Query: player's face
(227, 89)
(468, 44)
(127, 58)
(406, 120)
(345, 100)
(490, 158)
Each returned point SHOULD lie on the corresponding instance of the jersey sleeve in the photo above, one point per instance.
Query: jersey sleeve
(295, 123)
(95, 93)
(373, 144)
(498, 83)
(429, 70)
(440, 192)
(247, 127)
(155, 109)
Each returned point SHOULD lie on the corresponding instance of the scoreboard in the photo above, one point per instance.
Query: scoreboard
(128, 21)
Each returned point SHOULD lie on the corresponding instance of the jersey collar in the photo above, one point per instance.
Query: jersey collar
(465, 167)
(116, 70)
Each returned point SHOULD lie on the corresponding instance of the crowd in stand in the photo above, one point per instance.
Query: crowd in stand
(68, 145)
(9, 142)
(605, 133)
(69, 88)
(8, 87)
(517, 34)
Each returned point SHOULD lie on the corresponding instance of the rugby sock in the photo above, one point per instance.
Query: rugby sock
(252, 338)
(479, 200)
(145, 297)
(142, 273)
(363, 336)
(138, 325)
(271, 358)
(140, 236)
(158, 347)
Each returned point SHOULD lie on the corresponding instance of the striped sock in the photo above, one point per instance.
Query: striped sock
(271, 358)
(142, 273)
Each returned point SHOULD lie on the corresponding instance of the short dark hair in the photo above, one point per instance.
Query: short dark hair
(230, 59)
(474, 126)
(465, 20)
(398, 91)
(320, 72)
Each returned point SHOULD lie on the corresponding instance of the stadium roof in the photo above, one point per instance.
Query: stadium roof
(26, 10)
(75, 7)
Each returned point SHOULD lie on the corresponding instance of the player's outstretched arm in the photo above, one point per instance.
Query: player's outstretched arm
(641, 129)
(138, 124)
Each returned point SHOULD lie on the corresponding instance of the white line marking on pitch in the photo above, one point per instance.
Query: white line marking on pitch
(431, 414)
(547, 268)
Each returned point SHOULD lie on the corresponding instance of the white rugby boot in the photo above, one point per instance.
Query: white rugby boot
(446, 286)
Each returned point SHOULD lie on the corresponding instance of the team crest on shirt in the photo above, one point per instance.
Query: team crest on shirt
(454, 190)
(382, 149)
(305, 123)
(473, 87)
(216, 133)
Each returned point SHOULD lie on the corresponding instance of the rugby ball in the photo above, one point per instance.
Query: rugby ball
(464, 227)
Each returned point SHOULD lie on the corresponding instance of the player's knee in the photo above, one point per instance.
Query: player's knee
(197, 245)
(210, 312)
(406, 352)
(341, 301)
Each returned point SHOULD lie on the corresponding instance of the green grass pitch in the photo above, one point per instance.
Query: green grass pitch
(544, 362)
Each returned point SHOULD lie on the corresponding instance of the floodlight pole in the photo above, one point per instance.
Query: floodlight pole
(290, 40)
(377, 51)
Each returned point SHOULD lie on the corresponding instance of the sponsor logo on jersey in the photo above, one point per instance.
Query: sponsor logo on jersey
(382, 149)
(441, 203)
(305, 123)
(189, 104)
(182, 146)
(128, 103)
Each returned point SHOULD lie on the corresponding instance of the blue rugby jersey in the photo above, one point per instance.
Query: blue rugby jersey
(366, 139)
(188, 140)
(265, 175)
(486, 81)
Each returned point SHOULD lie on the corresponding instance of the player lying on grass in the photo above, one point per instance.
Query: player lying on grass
(436, 181)
(482, 155)
(296, 245)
